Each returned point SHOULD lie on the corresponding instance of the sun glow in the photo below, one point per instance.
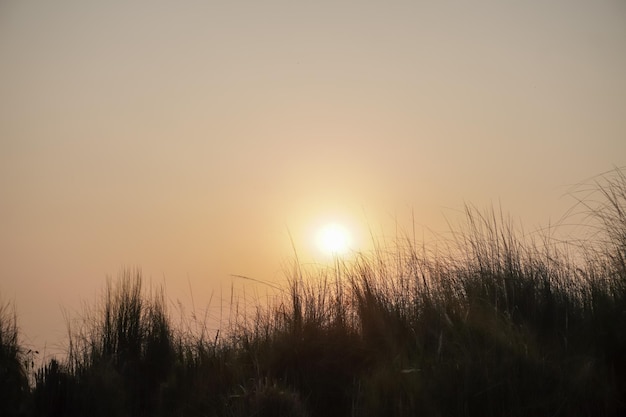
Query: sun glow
(333, 239)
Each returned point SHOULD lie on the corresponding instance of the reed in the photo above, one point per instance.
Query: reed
(498, 324)
(15, 362)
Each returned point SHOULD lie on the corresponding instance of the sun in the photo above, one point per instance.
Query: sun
(333, 239)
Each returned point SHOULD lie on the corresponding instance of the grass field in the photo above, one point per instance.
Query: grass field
(497, 324)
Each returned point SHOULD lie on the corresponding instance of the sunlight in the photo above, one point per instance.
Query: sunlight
(333, 239)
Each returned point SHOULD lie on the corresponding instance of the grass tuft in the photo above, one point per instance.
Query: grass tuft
(14, 365)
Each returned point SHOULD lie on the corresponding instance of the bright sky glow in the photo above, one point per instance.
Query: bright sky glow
(334, 239)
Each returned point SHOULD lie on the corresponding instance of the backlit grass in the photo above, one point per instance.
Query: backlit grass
(497, 324)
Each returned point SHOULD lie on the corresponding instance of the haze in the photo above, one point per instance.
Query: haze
(196, 140)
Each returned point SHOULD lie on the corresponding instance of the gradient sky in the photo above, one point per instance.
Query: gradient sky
(190, 138)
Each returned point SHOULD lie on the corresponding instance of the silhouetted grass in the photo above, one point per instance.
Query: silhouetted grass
(497, 324)
(14, 364)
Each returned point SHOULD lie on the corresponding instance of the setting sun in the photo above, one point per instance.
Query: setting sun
(333, 239)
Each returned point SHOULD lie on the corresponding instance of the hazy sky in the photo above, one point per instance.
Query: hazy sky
(189, 138)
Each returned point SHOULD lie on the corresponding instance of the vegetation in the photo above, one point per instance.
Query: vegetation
(495, 325)
(13, 365)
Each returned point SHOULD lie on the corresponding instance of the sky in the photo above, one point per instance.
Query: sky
(198, 140)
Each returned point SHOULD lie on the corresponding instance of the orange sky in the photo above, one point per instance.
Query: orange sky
(191, 138)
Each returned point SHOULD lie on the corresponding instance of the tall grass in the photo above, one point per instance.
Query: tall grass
(498, 324)
(120, 357)
(14, 365)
